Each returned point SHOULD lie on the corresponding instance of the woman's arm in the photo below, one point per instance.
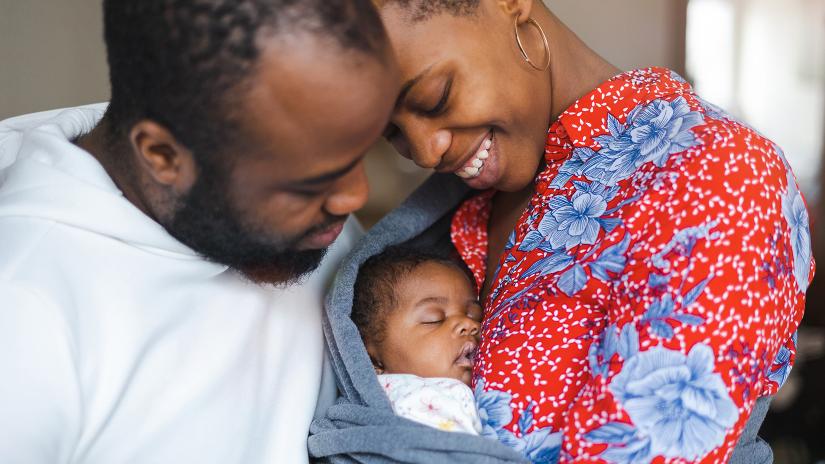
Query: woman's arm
(710, 326)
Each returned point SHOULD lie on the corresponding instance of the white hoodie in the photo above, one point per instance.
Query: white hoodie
(119, 344)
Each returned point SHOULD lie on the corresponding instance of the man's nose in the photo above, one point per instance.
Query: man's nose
(350, 193)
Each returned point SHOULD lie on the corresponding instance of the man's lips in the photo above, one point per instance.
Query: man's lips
(461, 162)
(324, 237)
(466, 357)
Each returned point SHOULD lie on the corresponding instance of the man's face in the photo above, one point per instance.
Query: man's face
(310, 114)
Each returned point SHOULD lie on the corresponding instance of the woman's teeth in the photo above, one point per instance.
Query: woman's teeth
(477, 163)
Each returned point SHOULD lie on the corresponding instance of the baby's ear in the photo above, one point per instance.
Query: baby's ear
(376, 363)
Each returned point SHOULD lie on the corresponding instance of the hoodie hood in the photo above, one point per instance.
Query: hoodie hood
(44, 175)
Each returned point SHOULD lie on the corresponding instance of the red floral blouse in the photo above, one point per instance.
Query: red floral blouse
(651, 290)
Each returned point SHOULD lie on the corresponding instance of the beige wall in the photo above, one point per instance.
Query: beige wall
(51, 55)
(629, 33)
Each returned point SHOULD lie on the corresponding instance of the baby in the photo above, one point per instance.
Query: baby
(419, 316)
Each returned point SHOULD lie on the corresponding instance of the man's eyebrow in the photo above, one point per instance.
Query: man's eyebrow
(329, 176)
(405, 89)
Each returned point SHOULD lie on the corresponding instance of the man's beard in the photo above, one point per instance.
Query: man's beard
(206, 221)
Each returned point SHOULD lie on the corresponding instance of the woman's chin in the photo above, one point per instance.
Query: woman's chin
(478, 183)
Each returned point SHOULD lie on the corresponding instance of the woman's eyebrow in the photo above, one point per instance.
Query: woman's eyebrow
(405, 89)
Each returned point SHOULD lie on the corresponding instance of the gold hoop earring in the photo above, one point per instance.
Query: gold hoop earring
(524, 52)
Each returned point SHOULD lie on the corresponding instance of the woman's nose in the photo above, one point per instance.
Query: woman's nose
(428, 147)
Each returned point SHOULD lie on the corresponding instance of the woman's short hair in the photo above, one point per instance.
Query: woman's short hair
(421, 10)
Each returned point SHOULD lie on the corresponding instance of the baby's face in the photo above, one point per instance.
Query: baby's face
(433, 330)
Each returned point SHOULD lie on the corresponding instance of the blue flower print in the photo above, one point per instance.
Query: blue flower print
(676, 400)
(662, 311)
(493, 410)
(795, 213)
(540, 446)
(652, 133)
(625, 446)
(574, 221)
(664, 128)
(636, 451)
(781, 366)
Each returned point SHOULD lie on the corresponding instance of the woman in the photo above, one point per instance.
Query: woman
(643, 261)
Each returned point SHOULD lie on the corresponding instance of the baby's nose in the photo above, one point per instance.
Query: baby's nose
(467, 326)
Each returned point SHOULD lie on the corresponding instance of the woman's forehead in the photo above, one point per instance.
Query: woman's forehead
(440, 38)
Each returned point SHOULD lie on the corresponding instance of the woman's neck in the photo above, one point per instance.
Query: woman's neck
(575, 69)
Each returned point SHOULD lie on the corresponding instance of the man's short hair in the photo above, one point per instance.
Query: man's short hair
(181, 63)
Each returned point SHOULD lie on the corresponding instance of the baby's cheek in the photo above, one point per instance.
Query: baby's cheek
(432, 360)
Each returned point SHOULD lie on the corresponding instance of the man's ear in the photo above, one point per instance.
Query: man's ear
(516, 8)
(164, 158)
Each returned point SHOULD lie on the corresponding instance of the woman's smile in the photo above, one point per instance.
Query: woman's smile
(475, 163)
(482, 171)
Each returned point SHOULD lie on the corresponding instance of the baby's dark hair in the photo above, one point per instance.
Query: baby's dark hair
(375, 286)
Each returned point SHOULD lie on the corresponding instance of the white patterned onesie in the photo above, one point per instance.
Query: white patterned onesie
(446, 404)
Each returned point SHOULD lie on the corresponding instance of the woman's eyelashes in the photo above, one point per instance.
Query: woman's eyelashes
(306, 193)
(442, 102)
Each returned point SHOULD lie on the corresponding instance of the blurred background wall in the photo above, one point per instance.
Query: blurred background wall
(51, 55)
(763, 60)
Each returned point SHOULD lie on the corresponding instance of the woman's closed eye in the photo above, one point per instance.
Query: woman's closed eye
(442, 102)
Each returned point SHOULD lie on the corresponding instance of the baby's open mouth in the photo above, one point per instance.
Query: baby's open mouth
(467, 355)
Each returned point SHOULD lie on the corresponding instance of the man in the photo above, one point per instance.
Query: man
(151, 306)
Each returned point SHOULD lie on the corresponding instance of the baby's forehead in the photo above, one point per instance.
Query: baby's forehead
(434, 280)
(435, 271)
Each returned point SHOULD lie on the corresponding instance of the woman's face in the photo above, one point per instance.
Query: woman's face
(470, 104)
